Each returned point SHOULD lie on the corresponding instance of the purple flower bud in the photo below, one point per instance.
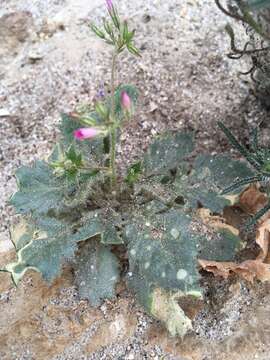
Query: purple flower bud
(125, 100)
(86, 133)
(100, 93)
(109, 5)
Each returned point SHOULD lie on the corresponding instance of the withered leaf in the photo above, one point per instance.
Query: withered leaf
(215, 221)
(248, 270)
(252, 200)
(262, 239)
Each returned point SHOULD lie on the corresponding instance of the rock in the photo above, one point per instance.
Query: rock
(146, 18)
(4, 113)
(152, 107)
(59, 22)
(122, 326)
(51, 26)
(15, 29)
(130, 356)
(45, 318)
(5, 245)
(34, 56)
(17, 25)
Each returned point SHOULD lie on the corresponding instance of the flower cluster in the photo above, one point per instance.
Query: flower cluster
(92, 132)
(116, 32)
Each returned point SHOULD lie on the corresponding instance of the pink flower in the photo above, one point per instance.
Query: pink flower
(109, 5)
(86, 133)
(125, 100)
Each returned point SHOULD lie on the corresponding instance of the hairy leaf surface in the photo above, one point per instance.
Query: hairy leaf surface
(45, 247)
(39, 190)
(167, 153)
(163, 251)
(210, 175)
(96, 272)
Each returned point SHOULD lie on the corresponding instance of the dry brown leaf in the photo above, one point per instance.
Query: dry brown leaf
(222, 269)
(263, 239)
(248, 270)
(216, 222)
(252, 200)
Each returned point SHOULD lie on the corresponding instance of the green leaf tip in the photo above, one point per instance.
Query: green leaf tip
(134, 173)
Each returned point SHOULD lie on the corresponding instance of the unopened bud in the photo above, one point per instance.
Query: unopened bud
(125, 101)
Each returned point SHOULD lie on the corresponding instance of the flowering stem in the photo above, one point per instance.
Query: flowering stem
(113, 156)
(113, 134)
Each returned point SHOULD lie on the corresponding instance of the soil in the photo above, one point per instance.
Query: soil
(50, 63)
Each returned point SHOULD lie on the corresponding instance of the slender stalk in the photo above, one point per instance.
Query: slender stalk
(113, 156)
(113, 134)
(94, 168)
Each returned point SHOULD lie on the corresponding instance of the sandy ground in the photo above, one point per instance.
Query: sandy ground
(49, 63)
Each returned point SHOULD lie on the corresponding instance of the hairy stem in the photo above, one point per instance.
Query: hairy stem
(114, 130)
(113, 157)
